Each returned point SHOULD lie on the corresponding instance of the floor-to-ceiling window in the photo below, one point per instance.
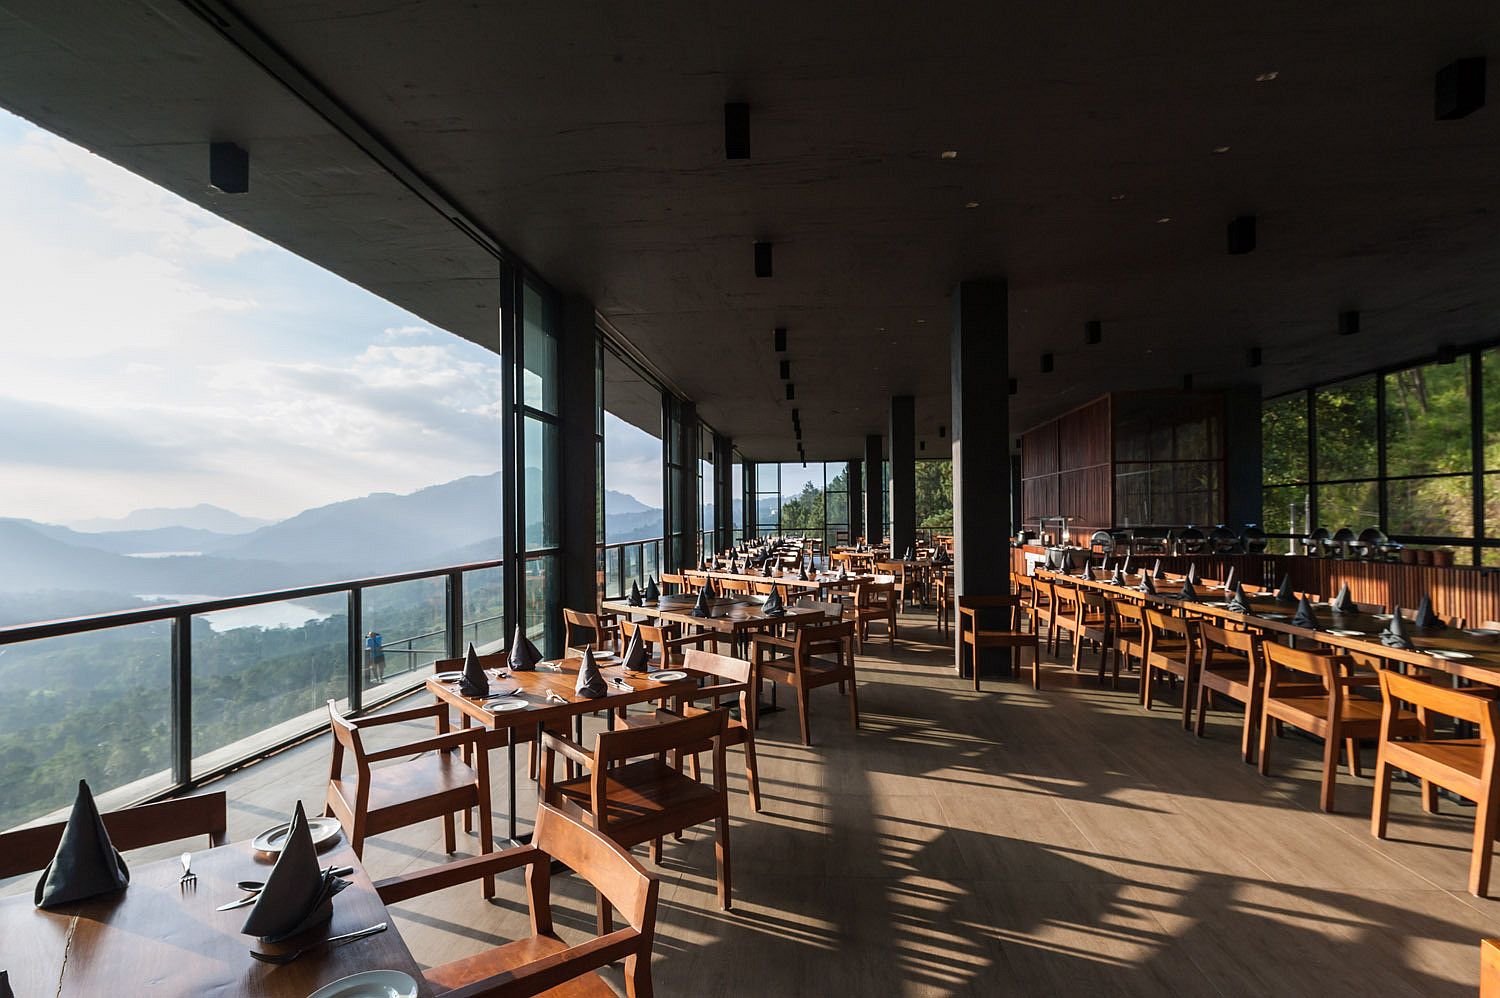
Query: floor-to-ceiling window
(541, 520)
(737, 498)
(706, 492)
(632, 501)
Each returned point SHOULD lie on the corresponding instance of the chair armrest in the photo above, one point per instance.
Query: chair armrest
(547, 973)
(771, 639)
(702, 637)
(415, 713)
(719, 690)
(436, 878)
(568, 748)
(452, 740)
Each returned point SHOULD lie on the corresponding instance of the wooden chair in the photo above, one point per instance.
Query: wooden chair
(1093, 620)
(1230, 665)
(667, 643)
(1064, 613)
(1129, 636)
(581, 623)
(1322, 707)
(1044, 609)
(942, 591)
(902, 581)
(735, 673)
(1171, 647)
(523, 734)
(673, 584)
(28, 850)
(1011, 636)
(1465, 766)
(874, 601)
(629, 793)
(430, 781)
(815, 655)
(543, 963)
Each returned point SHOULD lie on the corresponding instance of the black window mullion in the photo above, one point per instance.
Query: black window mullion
(1312, 459)
(1382, 498)
(1476, 448)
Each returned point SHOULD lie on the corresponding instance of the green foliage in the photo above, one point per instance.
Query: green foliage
(934, 480)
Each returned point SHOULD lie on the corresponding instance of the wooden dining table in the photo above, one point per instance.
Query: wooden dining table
(727, 615)
(156, 938)
(1468, 653)
(551, 696)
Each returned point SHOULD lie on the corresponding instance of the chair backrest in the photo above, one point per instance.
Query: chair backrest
(833, 611)
(873, 593)
(28, 850)
(1221, 640)
(1410, 613)
(1130, 613)
(816, 637)
(731, 670)
(1309, 663)
(580, 620)
(494, 660)
(1482, 711)
(677, 582)
(609, 869)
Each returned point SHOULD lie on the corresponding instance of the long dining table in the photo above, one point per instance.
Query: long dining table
(157, 938)
(1468, 653)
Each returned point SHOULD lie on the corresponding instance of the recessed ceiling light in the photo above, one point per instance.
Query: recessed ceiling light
(972, 204)
(1266, 77)
(1164, 220)
(1220, 150)
(950, 154)
(921, 322)
(1117, 197)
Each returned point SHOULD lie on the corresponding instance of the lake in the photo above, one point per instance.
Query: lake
(287, 613)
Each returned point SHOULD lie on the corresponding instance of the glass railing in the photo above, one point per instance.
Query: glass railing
(632, 561)
(150, 701)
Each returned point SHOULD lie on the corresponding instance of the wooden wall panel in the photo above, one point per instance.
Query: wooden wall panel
(1066, 469)
(1039, 451)
(1083, 436)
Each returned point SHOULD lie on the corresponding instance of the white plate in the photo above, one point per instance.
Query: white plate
(1345, 634)
(370, 984)
(448, 677)
(1450, 654)
(274, 838)
(669, 676)
(1482, 632)
(507, 705)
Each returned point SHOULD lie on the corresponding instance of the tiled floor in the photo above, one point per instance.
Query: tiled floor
(1058, 842)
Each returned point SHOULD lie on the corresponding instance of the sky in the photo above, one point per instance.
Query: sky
(154, 354)
(632, 460)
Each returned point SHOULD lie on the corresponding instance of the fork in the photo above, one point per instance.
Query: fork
(188, 878)
(281, 958)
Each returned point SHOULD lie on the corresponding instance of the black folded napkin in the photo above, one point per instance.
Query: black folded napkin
(1147, 586)
(86, 864)
(1284, 593)
(802, 573)
(1425, 617)
(940, 556)
(1304, 617)
(1118, 579)
(590, 680)
(1125, 568)
(773, 606)
(907, 556)
(1192, 572)
(475, 683)
(1187, 591)
(652, 593)
(523, 655)
(1156, 569)
(636, 657)
(1229, 580)
(1395, 635)
(843, 571)
(634, 599)
(1343, 602)
(1084, 572)
(765, 570)
(298, 894)
(1237, 601)
(5, 991)
(701, 607)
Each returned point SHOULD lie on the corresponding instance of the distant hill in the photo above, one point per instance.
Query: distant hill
(619, 502)
(159, 539)
(200, 517)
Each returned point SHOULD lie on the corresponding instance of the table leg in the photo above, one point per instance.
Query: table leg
(510, 752)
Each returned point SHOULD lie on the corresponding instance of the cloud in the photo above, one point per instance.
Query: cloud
(38, 435)
(632, 461)
(398, 332)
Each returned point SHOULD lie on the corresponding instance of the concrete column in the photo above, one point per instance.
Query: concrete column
(903, 437)
(723, 492)
(874, 511)
(856, 500)
(979, 354)
(577, 395)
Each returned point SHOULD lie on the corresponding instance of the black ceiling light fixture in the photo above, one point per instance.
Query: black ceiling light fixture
(921, 445)
(1187, 382)
(1459, 89)
(780, 339)
(1349, 322)
(762, 259)
(1046, 363)
(1254, 357)
(791, 391)
(1447, 353)
(228, 168)
(942, 431)
(786, 370)
(1241, 235)
(1015, 386)
(1093, 332)
(736, 131)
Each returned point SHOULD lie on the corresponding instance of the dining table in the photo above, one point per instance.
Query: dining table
(157, 937)
(550, 695)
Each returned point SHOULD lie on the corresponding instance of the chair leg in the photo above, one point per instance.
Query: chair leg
(450, 838)
(604, 914)
(1485, 826)
(1330, 770)
(693, 766)
(1351, 749)
(1036, 667)
(802, 715)
(752, 775)
(1202, 709)
(1247, 734)
(656, 851)
(854, 704)
(721, 854)
(1263, 756)
(1380, 808)
(1187, 702)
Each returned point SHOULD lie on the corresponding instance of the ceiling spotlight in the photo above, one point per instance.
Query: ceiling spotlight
(921, 445)
(780, 339)
(1015, 386)
(1447, 353)
(1117, 197)
(228, 168)
(950, 154)
(1241, 235)
(1187, 382)
(762, 259)
(796, 415)
(1220, 150)
(971, 204)
(1093, 331)
(942, 430)
(1254, 357)
(1164, 220)
(1046, 363)
(1459, 89)
(1348, 322)
(736, 131)
(786, 369)
(1266, 77)
(791, 391)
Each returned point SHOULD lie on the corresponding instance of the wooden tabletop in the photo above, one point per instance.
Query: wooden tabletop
(1361, 631)
(820, 580)
(732, 616)
(534, 687)
(154, 938)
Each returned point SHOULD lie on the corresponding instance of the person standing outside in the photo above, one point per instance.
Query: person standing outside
(374, 658)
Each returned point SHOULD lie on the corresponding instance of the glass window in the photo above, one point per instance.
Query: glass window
(1346, 443)
(1348, 504)
(539, 348)
(541, 603)
(1427, 419)
(1284, 510)
(1489, 370)
(541, 485)
(1431, 507)
(1283, 431)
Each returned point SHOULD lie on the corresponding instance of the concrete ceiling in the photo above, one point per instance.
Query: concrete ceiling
(588, 138)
